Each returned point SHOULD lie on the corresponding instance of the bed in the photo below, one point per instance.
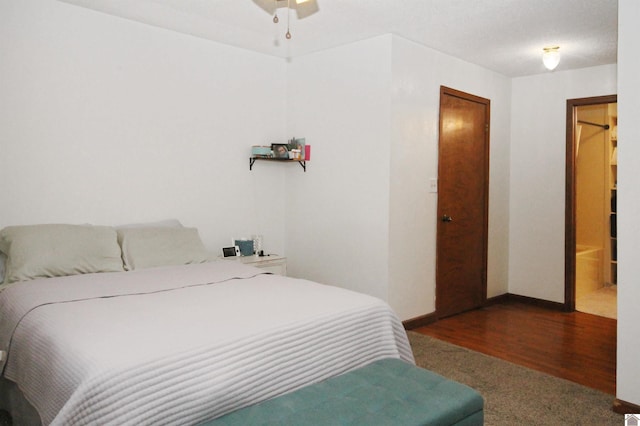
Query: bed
(179, 338)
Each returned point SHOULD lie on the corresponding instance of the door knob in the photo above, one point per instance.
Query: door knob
(446, 218)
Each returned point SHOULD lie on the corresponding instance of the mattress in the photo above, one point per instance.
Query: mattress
(182, 344)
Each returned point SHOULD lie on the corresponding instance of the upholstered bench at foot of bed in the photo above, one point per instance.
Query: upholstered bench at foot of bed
(386, 392)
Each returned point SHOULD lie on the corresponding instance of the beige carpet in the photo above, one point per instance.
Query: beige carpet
(515, 395)
(602, 302)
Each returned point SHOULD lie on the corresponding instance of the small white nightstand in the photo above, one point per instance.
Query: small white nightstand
(272, 262)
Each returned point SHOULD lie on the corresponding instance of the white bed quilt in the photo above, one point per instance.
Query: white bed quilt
(180, 345)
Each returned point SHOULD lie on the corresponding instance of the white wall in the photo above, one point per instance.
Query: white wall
(338, 211)
(628, 370)
(370, 112)
(418, 73)
(104, 120)
(537, 204)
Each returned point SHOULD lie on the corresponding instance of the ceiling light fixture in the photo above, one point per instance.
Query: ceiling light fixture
(551, 57)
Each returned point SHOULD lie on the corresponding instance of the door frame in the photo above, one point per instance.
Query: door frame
(570, 196)
(485, 225)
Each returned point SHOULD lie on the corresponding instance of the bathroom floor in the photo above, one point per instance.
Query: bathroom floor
(602, 302)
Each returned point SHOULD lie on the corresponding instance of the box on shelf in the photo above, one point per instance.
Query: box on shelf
(261, 151)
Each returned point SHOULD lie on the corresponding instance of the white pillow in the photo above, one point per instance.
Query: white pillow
(43, 251)
(148, 247)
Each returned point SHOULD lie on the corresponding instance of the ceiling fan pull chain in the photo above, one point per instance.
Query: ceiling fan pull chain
(275, 14)
(288, 35)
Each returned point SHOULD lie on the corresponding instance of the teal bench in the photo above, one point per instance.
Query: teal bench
(386, 392)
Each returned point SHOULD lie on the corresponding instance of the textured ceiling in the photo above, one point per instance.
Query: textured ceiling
(506, 36)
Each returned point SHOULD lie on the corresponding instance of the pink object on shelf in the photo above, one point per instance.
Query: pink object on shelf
(307, 152)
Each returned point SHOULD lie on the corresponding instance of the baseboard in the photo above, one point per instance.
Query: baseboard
(503, 298)
(556, 306)
(624, 407)
(427, 319)
(420, 321)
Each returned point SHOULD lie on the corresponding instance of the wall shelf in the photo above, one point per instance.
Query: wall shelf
(302, 163)
(613, 184)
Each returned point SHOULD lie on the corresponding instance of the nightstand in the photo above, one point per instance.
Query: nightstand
(272, 262)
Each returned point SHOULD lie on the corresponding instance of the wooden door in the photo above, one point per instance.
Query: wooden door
(463, 181)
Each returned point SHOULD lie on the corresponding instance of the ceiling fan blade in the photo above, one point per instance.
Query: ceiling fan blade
(308, 8)
(268, 6)
(303, 8)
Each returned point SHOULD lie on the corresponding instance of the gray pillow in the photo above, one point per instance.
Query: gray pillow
(3, 259)
(43, 251)
(168, 223)
(160, 246)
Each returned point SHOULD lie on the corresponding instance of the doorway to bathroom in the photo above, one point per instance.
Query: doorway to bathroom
(591, 207)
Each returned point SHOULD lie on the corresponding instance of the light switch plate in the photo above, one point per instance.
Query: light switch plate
(433, 185)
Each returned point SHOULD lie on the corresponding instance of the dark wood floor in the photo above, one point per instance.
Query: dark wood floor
(575, 346)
